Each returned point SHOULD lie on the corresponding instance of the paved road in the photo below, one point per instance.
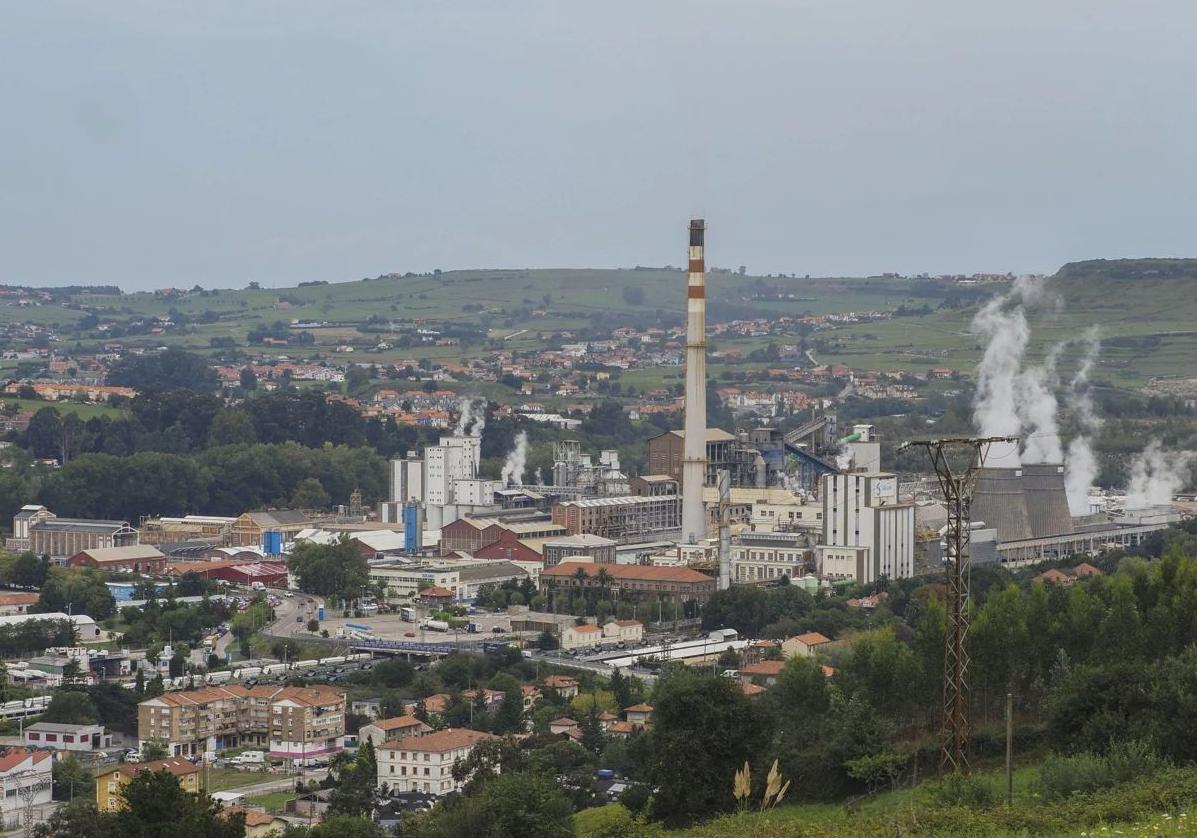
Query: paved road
(284, 618)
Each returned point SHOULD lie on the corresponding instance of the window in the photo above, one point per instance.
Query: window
(34, 736)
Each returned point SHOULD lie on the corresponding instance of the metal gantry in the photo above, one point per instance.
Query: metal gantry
(957, 490)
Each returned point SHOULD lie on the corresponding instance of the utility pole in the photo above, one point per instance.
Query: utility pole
(957, 486)
(1009, 749)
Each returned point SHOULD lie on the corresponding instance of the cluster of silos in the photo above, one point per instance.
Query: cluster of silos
(1019, 500)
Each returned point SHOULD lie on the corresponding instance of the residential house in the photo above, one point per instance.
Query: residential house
(765, 672)
(425, 763)
(638, 715)
(565, 686)
(388, 730)
(581, 637)
(804, 645)
(112, 779)
(17, 602)
(678, 584)
(563, 727)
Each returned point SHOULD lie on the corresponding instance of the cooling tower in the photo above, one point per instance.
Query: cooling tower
(999, 499)
(1046, 499)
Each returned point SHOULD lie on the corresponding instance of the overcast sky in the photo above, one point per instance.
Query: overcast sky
(159, 143)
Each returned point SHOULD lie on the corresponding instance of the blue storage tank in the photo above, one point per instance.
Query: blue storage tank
(320, 613)
(413, 527)
(272, 543)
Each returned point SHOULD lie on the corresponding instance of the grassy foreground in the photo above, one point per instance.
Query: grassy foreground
(1161, 804)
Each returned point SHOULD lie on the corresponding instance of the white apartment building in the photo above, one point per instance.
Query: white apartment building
(425, 763)
(862, 509)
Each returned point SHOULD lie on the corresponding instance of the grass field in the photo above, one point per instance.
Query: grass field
(1152, 805)
(274, 802)
(1146, 319)
(227, 779)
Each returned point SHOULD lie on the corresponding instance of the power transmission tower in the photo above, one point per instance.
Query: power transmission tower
(957, 495)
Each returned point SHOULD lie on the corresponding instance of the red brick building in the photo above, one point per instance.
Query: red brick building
(137, 558)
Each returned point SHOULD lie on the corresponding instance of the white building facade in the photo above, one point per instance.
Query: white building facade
(862, 510)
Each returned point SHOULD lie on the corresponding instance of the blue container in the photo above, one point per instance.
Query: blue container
(272, 543)
(320, 613)
(413, 528)
(605, 774)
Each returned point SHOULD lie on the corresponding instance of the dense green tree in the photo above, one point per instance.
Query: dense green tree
(72, 780)
(71, 707)
(355, 792)
(310, 494)
(171, 369)
(337, 569)
(705, 723)
(514, 805)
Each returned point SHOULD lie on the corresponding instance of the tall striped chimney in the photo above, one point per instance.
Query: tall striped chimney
(694, 462)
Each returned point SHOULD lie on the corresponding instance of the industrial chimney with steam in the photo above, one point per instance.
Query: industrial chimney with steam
(694, 462)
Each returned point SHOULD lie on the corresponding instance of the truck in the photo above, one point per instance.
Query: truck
(258, 586)
(473, 627)
(249, 758)
(436, 625)
(408, 614)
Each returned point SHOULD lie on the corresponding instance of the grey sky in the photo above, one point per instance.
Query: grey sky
(171, 143)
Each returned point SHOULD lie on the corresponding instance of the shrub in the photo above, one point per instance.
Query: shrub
(963, 790)
(1063, 776)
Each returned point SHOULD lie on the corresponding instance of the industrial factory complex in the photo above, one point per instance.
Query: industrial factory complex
(743, 505)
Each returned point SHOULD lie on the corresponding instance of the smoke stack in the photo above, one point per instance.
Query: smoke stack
(694, 463)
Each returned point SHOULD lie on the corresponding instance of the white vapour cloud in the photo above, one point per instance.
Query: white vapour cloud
(517, 458)
(1036, 406)
(538, 477)
(463, 418)
(1002, 323)
(479, 421)
(1157, 475)
(1080, 464)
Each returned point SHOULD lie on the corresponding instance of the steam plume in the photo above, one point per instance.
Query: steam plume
(1036, 408)
(1080, 466)
(1157, 475)
(517, 458)
(479, 421)
(463, 419)
(1002, 322)
(538, 477)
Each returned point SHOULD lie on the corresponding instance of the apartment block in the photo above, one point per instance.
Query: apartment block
(292, 722)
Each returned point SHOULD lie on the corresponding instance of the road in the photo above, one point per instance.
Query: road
(284, 617)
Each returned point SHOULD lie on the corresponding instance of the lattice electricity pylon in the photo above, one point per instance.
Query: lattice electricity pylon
(957, 496)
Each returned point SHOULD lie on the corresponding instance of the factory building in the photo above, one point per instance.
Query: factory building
(862, 511)
(445, 480)
(574, 469)
(626, 519)
(744, 462)
(38, 529)
(765, 556)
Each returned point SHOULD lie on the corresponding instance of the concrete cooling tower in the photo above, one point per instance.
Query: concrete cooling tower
(998, 498)
(1046, 499)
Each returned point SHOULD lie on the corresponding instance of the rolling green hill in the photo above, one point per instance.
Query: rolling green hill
(1147, 311)
(1146, 308)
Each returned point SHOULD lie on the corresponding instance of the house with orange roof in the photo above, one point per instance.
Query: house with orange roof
(425, 763)
(804, 645)
(764, 672)
(387, 730)
(112, 779)
(639, 715)
(563, 685)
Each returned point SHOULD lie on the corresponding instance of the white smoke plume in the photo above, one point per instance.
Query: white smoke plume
(1002, 322)
(1080, 465)
(463, 418)
(843, 458)
(1036, 407)
(1157, 475)
(538, 477)
(517, 458)
(479, 421)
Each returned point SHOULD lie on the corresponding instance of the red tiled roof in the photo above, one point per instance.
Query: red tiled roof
(768, 668)
(437, 592)
(812, 638)
(638, 708)
(14, 757)
(751, 690)
(397, 723)
(449, 739)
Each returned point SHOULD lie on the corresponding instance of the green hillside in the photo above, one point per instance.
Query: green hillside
(1146, 308)
(1147, 314)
